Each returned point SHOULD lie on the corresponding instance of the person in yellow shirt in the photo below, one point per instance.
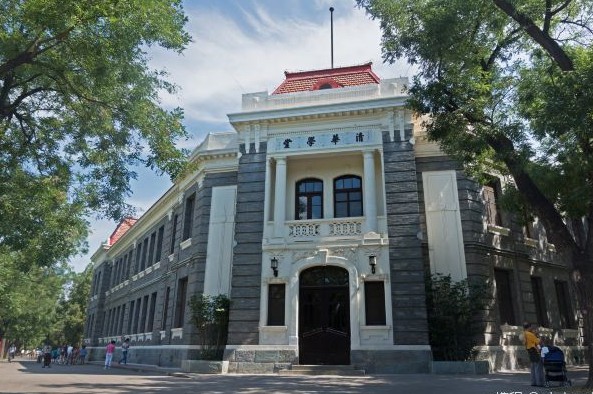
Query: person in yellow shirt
(532, 344)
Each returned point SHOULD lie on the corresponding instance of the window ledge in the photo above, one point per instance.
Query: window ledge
(504, 231)
(274, 328)
(530, 242)
(177, 333)
(185, 244)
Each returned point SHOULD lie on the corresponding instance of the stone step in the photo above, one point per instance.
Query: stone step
(337, 370)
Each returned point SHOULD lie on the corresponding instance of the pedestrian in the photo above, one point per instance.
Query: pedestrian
(69, 350)
(11, 352)
(109, 349)
(124, 351)
(82, 355)
(532, 344)
(47, 356)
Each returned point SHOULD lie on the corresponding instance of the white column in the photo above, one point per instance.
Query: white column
(280, 197)
(370, 192)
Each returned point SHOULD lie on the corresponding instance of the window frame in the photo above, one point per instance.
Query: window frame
(375, 303)
(348, 191)
(276, 304)
(309, 196)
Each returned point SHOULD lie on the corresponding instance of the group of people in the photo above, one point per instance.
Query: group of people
(64, 355)
(537, 350)
(110, 350)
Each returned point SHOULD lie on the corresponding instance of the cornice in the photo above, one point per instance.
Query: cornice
(306, 112)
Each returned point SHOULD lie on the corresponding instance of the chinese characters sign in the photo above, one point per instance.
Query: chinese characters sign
(323, 141)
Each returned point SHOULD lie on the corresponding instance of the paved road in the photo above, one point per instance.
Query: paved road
(24, 376)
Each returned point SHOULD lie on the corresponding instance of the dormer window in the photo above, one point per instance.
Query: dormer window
(326, 83)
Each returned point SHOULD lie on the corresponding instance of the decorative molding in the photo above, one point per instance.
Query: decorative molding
(177, 333)
(185, 244)
(504, 231)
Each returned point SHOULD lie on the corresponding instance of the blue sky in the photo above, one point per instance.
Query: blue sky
(243, 46)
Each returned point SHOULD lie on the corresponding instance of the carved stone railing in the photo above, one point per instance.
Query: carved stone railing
(309, 229)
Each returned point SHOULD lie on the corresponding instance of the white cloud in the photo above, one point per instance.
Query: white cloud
(230, 57)
(227, 59)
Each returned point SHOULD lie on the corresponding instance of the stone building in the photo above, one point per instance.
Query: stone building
(320, 216)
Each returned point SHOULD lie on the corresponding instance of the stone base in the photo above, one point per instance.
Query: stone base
(260, 359)
(204, 366)
(393, 361)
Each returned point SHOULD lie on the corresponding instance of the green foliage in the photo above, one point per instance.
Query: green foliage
(453, 309)
(508, 88)
(69, 327)
(79, 108)
(28, 301)
(210, 315)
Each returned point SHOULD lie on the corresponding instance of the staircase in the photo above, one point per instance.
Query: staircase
(336, 370)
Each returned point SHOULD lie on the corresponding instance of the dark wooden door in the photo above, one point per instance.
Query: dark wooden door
(324, 316)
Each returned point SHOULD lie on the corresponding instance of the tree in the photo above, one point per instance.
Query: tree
(210, 315)
(507, 84)
(71, 311)
(28, 301)
(79, 107)
(452, 308)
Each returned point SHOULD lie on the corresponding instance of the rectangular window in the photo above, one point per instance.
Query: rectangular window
(188, 220)
(539, 301)
(374, 296)
(567, 319)
(180, 303)
(137, 315)
(159, 244)
(130, 317)
(116, 321)
(151, 312)
(166, 309)
(144, 253)
(491, 199)
(151, 249)
(121, 322)
(138, 256)
(276, 297)
(129, 267)
(504, 296)
(173, 234)
(144, 314)
(126, 269)
(108, 323)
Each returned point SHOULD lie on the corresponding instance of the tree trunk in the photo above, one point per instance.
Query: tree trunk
(582, 275)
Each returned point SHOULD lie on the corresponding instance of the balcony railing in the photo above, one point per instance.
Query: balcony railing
(308, 229)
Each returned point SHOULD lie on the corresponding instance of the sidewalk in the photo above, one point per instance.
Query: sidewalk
(516, 382)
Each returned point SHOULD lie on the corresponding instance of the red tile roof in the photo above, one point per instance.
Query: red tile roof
(302, 81)
(121, 229)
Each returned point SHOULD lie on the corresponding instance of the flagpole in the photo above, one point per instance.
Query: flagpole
(331, 13)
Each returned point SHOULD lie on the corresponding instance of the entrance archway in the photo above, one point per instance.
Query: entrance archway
(324, 316)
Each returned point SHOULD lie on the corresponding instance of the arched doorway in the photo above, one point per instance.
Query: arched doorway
(324, 316)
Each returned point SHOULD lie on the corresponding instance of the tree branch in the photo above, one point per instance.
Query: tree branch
(545, 210)
(562, 6)
(508, 40)
(539, 36)
(33, 50)
(547, 17)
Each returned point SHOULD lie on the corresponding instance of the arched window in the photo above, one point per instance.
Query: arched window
(309, 199)
(347, 196)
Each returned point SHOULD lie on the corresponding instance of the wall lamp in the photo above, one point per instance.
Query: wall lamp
(373, 262)
(274, 266)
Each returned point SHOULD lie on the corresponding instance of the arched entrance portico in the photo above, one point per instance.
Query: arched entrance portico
(324, 316)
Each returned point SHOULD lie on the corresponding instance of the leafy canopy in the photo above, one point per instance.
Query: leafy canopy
(79, 107)
(507, 86)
